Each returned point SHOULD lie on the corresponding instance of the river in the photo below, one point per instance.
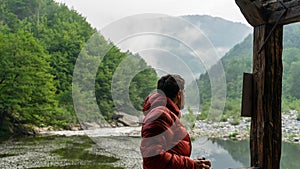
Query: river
(101, 151)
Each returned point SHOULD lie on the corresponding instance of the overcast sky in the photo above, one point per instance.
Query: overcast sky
(100, 13)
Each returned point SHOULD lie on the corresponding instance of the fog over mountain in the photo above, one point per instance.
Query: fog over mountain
(187, 45)
(223, 34)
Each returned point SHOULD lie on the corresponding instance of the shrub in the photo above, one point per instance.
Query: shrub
(189, 119)
(235, 122)
(233, 135)
(201, 116)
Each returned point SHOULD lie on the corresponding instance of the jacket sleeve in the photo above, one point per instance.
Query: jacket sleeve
(155, 148)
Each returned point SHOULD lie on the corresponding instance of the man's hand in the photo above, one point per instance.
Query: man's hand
(201, 163)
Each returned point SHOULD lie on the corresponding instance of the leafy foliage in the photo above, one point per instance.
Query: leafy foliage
(40, 44)
(27, 90)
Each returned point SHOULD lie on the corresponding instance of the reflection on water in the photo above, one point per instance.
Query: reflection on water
(235, 154)
(222, 153)
(290, 156)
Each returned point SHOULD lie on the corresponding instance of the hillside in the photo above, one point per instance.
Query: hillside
(239, 60)
(222, 39)
(40, 44)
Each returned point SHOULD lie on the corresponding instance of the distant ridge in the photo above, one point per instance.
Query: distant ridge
(222, 33)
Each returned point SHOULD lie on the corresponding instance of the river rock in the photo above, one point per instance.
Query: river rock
(123, 119)
(90, 125)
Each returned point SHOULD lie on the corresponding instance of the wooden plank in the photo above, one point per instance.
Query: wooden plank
(265, 134)
(268, 12)
(247, 95)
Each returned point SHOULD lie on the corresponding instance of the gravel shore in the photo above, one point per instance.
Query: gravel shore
(203, 128)
(290, 128)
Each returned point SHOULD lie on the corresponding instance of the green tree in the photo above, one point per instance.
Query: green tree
(132, 81)
(40, 45)
(26, 85)
(294, 90)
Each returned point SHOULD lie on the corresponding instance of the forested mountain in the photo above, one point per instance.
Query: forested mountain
(239, 60)
(39, 45)
(187, 45)
(214, 29)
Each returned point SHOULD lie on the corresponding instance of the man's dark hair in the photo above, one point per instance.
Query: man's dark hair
(170, 85)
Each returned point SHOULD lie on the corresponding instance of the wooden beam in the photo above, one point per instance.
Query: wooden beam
(268, 12)
(276, 9)
(252, 11)
(265, 134)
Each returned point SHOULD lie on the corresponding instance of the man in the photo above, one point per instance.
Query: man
(165, 142)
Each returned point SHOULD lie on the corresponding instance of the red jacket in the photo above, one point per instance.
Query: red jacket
(165, 142)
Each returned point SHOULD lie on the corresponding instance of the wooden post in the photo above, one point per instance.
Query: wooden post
(265, 136)
(267, 17)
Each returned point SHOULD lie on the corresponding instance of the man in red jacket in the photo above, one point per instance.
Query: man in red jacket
(165, 142)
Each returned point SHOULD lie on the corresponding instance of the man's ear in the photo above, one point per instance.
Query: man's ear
(178, 94)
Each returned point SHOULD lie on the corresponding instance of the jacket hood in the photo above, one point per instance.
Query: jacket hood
(158, 99)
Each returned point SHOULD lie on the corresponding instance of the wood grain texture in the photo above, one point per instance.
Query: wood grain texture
(252, 12)
(258, 12)
(265, 135)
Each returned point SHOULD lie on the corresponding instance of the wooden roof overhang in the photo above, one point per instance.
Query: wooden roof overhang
(260, 12)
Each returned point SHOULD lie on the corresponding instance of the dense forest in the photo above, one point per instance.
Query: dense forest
(239, 60)
(39, 47)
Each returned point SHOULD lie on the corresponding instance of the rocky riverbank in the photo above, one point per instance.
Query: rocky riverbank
(203, 128)
(120, 145)
(240, 131)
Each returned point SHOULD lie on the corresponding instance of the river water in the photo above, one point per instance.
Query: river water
(120, 152)
(236, 154)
